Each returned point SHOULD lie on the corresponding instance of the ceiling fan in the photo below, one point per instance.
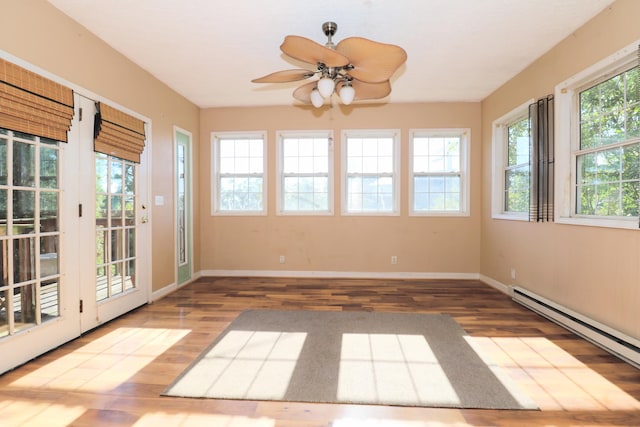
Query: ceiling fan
(356, 68)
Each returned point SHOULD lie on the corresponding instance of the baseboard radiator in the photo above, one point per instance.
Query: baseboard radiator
(615, 342)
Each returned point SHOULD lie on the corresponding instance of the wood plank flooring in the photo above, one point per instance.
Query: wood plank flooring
(113, 376)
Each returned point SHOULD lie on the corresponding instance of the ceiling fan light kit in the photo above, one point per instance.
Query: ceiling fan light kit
(356, 68)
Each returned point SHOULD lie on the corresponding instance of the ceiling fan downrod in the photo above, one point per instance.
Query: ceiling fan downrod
(329, 29)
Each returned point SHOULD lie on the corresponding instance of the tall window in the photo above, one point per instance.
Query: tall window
(29, 231)
(598, 112)
(239, 165)
(438, 164)
(608, 157)
(305, 166)
(370, 162)
(517, 169)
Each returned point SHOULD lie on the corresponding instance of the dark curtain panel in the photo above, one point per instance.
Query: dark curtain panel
(542, 159)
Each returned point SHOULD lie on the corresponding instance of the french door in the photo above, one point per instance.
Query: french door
(71, 238)
(114, 273)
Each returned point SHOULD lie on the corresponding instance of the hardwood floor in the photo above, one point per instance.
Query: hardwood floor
(113, 376)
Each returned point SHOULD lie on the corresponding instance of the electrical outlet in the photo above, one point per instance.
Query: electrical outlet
(281, 259)
(394, 259)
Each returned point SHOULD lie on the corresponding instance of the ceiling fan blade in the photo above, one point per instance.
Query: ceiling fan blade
(284, 76)
(365, 90)
(374, 62)
(307, 50)
(303, 93)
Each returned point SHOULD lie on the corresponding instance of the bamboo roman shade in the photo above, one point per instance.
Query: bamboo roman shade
(118, 134)
(33, 104)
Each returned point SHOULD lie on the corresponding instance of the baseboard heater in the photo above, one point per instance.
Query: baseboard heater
(615, 342)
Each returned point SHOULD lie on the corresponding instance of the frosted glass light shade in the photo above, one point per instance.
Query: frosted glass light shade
(347, 93)
(325, 86)
(316, 99)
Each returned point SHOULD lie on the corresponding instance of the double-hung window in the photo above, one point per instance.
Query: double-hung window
(603, 104)
(439, 173)
(370, 180)
(512, 164)
(239, 180)
(305, 166)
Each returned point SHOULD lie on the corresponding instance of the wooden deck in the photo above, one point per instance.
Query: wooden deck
(114, 375)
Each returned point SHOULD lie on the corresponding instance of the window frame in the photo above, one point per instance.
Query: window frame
(304, 134)
(568, 137)
(500, 147)
(465, 172)
(395, 135)
(216, 137)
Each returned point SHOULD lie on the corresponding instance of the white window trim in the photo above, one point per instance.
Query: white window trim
(377, 133)
(215, 136)
(280, 135)
(500, 139)
(567, 137)
(465, 172)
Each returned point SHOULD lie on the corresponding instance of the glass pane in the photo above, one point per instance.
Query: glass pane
(117, 247)
(48, 167)
(23, 260)
(24, 206)
(23, 164)
(101, 284)
(4, 321)
(129, 178)
(49, 251)
(631, 162)
(116, 211)
(130, 211)
(3, 162)
(115, 278)
(102, 173)
(49, 299)
(116, 176)
(24, 307)
(48, 211)
(3, 212)
(630, 201)
(131, 242)
(130, 280)
(4, 262)
(101, 246)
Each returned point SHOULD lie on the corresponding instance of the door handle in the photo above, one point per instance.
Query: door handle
(144, 220)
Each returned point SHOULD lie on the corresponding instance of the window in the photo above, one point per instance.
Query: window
(603, 158)
(305, 163)
(438, 172)
(370, 162)
(512, 164)
(239, 166)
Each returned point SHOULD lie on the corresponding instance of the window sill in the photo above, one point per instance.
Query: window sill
(511, 217)
(630, 224)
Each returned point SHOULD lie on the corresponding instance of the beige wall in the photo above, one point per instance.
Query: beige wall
(341, 243)
(36, 32)
(595, 271)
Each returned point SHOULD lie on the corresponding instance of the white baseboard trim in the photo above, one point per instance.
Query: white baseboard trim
(172, 287)
(338, 274)
(505, 289)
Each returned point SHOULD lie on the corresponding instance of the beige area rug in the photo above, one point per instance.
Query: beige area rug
(348, 357)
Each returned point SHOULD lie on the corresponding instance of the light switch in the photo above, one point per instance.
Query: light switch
(159, 200)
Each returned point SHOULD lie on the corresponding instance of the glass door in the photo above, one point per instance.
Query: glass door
(38, 286)
(115, 276)
(183, 205)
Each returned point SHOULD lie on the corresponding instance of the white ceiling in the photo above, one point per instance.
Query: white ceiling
(209, 50)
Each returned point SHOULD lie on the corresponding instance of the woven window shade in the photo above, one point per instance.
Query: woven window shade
(33, 104)
(118, 134)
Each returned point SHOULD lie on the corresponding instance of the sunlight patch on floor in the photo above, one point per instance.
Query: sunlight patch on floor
(105, 363)
(25, 413)
(555, 379)
(392, 368)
